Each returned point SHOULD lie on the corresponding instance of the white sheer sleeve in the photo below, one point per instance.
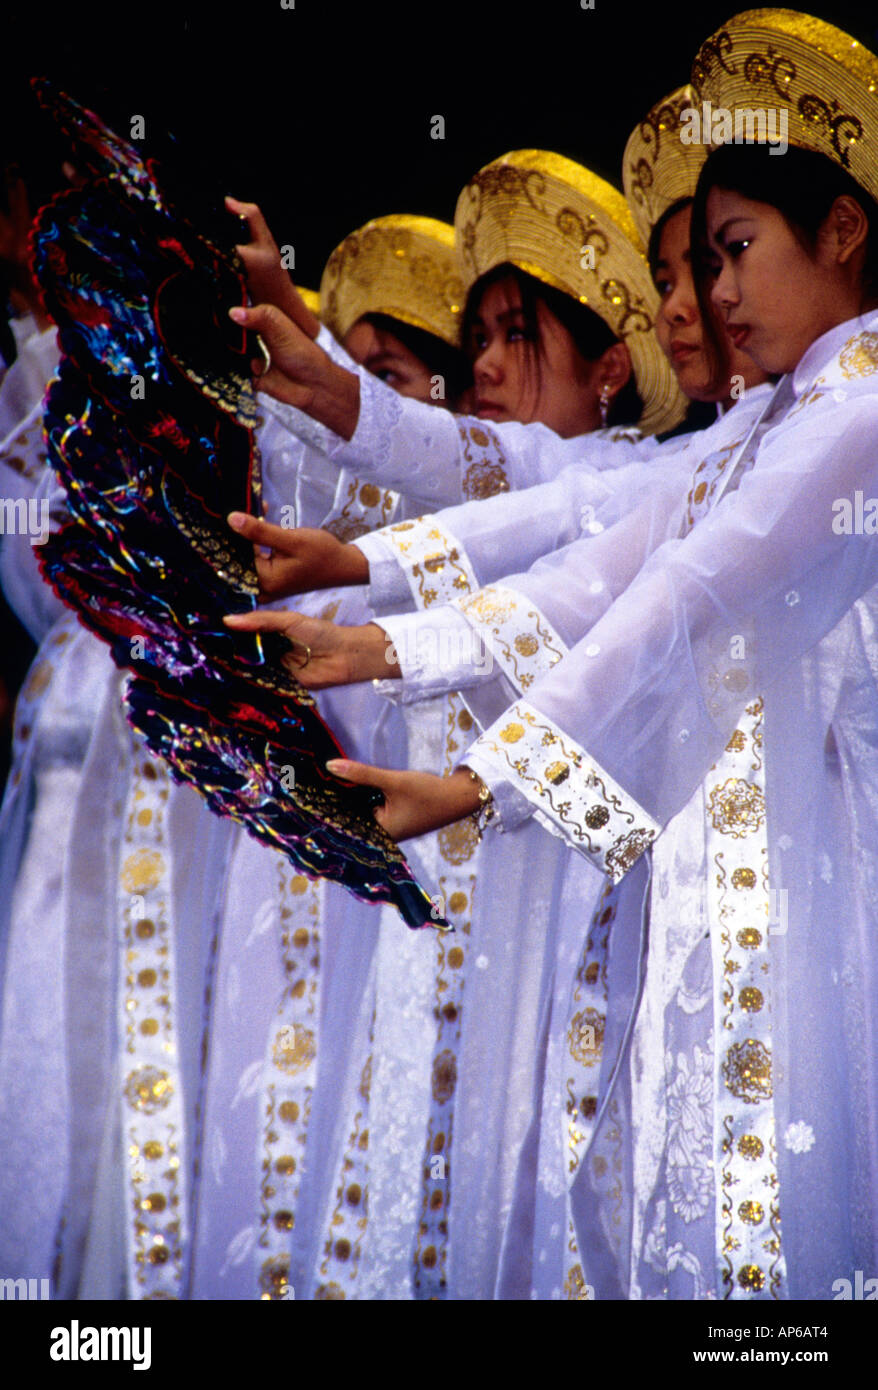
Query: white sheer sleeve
(613, 741)
(496, 536)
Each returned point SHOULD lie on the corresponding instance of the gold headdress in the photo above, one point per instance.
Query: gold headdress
(658, 168)
(402, 266)
(570, 229)
(784, 62)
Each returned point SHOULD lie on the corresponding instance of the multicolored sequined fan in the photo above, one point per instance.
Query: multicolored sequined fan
(150, 422)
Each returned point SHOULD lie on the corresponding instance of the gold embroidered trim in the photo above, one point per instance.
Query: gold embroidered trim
(516, 632)
(593, 812)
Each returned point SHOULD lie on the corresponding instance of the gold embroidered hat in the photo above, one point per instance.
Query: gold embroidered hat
(399, 265)
(821, 82)
(658, 168)
(559, 222)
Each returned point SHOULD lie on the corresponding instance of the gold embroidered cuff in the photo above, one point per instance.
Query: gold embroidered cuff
(436, 566)
(519, 636)
(575, 798)
(359, 507)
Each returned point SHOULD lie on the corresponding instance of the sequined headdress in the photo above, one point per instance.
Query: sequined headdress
(557, 221)
(399, 265)
(823, 82)
(658, 168)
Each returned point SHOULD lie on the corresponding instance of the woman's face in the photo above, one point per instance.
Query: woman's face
(678, 324)
(516, 378)
(775, 298)
(382, 354)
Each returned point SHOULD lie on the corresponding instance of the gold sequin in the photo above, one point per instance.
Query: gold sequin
(294, 1048)
(743, 878)
(274, 1277)
(751, 1212)
(145, 928)
(332, 1293)
(142, 870)
(148, 1089)
(556, 773)
(147, 978)
(444, 1076)
(526, 645)
(457, 902)
(370, 495)
(40, 676)
(749, 938)
(747, 1071)
(585, 1036)
(300, 936)
(283, 1220)
(153, 1149)
(353, 1195)
(751, 999)
(154, 1202)
(751, 1277)
(285, 1165)
(149, 1027)
(288, 1111)
(298, 884)
(596, 817)
(512, 733)
(428, 1259)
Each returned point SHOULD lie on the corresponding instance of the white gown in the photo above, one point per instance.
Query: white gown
(723, 710)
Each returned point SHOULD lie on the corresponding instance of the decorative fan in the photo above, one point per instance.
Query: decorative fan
(150, 421)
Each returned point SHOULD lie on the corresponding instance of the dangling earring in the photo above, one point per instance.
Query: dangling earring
(604, 405)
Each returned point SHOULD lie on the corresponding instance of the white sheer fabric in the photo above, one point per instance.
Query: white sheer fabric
(766, 595)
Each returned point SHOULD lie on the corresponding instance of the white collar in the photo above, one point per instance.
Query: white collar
(825, 348)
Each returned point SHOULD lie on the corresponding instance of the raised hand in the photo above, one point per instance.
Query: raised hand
(324, 654)
(269, 282)
(301, 373)
(414, 802)
(299, 559)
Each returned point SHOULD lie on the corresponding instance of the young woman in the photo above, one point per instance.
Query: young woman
(722, 706)
(294, 956)
(480, 1086)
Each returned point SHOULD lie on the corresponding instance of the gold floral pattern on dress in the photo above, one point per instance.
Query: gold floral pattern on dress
(148, 1089)
(585, 1036)
(294, 1048)
(365, 508)
(444, 1076)
(736, 808)
(747, 1071)
(859, 356)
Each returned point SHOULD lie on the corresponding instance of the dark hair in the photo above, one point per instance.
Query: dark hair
(802, 185)
(439, 357)
(591, 335)
(717, 345)
(655, 236)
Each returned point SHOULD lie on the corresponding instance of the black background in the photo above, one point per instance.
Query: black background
(322, 113)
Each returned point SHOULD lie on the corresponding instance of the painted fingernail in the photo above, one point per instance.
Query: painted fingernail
(338, 766)
(237, 314)
(236, 520)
